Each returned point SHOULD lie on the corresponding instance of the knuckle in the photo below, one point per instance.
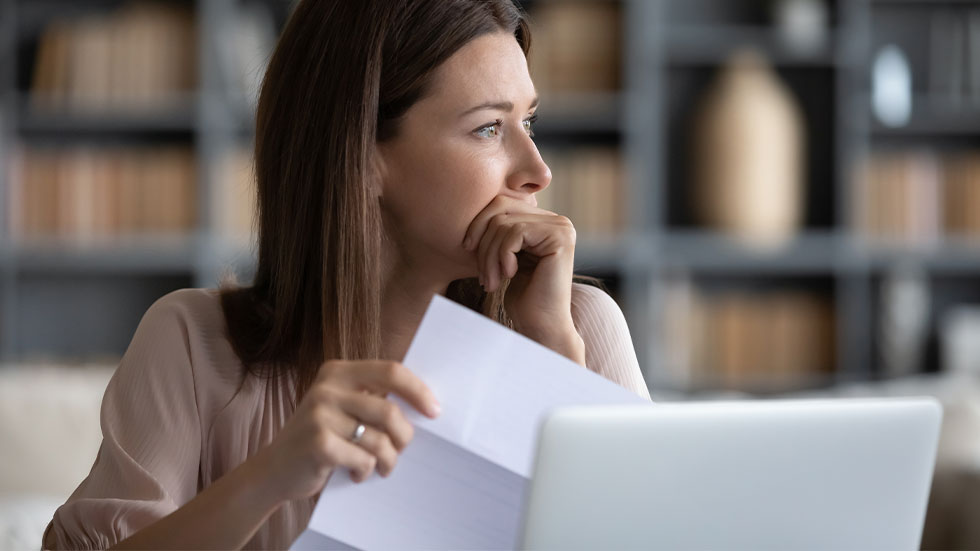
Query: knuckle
(403, 436)
(323, 394)
(326, 446)
(388, 464)
(390, 414)
(319, 412)
(370, 463)
(328, 369)
(498, 219)
(392, 370)
(386, 449)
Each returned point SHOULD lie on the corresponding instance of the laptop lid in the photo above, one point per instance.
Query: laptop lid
(784, 474)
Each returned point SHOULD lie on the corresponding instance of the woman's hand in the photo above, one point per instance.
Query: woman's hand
(316, 439)
(535, 248)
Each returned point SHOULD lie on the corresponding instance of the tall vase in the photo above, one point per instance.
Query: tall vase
(748, 155)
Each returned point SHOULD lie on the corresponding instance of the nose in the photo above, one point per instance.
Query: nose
(530, 173)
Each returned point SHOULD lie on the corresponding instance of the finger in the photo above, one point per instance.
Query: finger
(544, 236)
(337, 450)
(390, 376)
(483, 255)
(494, 252)
(378, 444)
(500, 204)
(512, 244)
(373, 440)
(380, 413)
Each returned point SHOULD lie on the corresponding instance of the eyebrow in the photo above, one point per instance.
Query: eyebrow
(497, 105)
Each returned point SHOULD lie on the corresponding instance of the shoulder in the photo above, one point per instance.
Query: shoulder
(608, 344)
(190, 305)
(186, 325)
(592, 305)
(196, 313)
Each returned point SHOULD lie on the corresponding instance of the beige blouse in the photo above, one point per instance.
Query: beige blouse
(172, 422)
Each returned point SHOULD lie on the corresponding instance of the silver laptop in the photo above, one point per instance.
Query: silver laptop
(801, 474)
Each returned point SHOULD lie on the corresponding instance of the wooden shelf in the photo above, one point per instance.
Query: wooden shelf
(178, 117)
(149, 255)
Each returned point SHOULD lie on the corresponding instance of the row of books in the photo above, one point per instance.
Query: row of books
(577, 46)
(918, 197)
(772, 340)
(85, 193)
(235, 199)
(140, 57)
(105, 191)
(588, 185)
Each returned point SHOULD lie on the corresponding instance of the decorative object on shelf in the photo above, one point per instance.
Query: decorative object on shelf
(748, 154)
(959, 334)
(903, 320)
(891, 87)
(801, 24)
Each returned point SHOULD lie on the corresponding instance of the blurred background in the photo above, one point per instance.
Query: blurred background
(782, 195)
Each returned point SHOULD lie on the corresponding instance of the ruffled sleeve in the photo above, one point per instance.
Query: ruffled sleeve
(608, 345)
(148, 463)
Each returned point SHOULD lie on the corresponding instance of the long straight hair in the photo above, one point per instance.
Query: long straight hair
(342, 74)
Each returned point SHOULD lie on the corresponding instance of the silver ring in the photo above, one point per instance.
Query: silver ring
(358, 433)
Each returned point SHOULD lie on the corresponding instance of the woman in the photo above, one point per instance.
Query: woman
(394, 161)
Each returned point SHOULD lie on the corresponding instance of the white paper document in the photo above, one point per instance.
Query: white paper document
(460, 483)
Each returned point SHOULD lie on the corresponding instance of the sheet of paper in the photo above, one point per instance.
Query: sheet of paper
(461, 481)
(439, 496)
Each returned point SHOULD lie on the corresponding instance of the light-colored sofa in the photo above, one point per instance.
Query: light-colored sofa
(49, 436)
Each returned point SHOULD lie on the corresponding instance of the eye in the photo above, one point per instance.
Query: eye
(528, 122)
(495, 128)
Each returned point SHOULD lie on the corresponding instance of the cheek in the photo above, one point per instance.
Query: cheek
(462, 181)
(439, 192)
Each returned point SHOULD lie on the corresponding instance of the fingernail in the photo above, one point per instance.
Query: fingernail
(434, 409)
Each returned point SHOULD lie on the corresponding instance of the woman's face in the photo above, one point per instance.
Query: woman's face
(456, 149)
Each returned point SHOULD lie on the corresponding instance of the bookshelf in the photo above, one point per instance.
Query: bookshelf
(666, 53)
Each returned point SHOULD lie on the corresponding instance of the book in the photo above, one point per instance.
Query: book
(743, 339)
(577, 46)
(141, 56)
(587, 185)
(84, 193)
(234, 207)
(918, 198)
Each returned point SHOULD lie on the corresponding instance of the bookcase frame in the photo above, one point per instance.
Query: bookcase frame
(648, 253)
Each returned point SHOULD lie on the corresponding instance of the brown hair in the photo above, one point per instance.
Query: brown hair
(341, 76)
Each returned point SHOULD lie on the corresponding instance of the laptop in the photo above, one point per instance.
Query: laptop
(781, 474)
